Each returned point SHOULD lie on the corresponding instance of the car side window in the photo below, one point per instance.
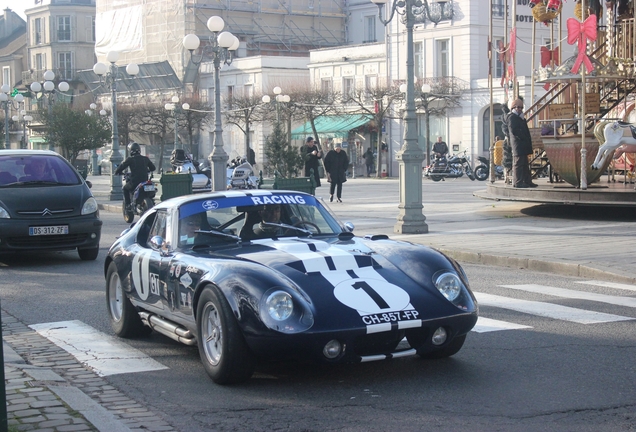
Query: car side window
(158, 227)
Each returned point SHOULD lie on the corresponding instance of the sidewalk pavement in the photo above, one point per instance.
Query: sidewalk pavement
(56, 393)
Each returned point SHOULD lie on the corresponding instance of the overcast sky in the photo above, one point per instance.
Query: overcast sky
(17, 6)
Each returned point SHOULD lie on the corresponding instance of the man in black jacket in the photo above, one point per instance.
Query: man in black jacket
(521, 143)
(139, 166)
(336, 164)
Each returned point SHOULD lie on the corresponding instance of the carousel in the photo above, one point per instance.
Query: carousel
(584, 126)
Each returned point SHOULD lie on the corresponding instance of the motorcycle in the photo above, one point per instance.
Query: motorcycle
(182, 163)
(483, 169)
(142, 199)
(453, 167)
(240, 175)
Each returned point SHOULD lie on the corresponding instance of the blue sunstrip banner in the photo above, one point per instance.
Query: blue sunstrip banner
(235, 199)
(382, 306)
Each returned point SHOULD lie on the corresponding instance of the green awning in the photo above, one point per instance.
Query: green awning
(332, 126)
(37, 140)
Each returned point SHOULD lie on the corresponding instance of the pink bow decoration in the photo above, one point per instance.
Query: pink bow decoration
(513, 49)
(581, 32)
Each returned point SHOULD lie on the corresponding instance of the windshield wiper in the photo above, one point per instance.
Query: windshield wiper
(32, 182)
(217, 233)
(282, 225)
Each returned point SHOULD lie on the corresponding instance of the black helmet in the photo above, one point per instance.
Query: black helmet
(133, 148)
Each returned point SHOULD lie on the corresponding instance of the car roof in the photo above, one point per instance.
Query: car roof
(28, 152)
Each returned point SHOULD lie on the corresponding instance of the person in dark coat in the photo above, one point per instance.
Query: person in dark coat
(139, 166)
(336, 164)
(368, 160)
(521, 144)
(311, 154)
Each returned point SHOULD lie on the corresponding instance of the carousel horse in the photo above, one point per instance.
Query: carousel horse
(613, 136)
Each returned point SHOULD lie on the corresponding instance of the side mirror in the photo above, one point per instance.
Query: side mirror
(349, 226)
(89, 184)
(157, 243)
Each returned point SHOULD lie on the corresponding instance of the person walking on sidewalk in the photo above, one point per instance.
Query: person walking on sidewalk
(521, 143)
(311, 154)
(368, 160)
(139, 166)
(336, 164)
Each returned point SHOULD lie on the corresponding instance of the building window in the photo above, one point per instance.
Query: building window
(348, 86)
(370, 82)
(248, 90)
(37, 31)
(499, 54)
(443, 67)
(369, 29)
(325, 85)
(498, 8)
(40, 63)
(65, 65)
(6, 75)
(230, 96)
(64, 29)
(417, 52)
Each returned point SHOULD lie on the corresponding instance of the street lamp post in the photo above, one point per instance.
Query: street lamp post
(48, 88)
(110, 75)
(94, 167)
(6, 104)
(221, 45)
(24, 119)
(174, 107)
(410, 219)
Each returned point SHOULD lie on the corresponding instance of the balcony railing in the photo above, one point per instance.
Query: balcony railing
(449, 85)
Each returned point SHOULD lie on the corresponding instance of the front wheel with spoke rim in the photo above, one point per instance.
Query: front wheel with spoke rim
(222, 347)
(124, 319)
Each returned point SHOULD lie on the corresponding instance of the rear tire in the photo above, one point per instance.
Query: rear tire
(435, 178)
(147, 204)
(123, 317)
(222, 347)
(129, 216)
(481, 173)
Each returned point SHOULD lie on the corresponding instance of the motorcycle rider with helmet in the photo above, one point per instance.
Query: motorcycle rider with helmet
(139, 166)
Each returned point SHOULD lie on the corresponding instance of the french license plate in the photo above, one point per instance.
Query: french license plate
(48, 230)
(149, 188)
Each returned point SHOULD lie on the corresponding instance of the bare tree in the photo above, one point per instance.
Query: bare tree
(310, 104)
(155, 120)
(379, 103)
(191, 120)
(242, 111)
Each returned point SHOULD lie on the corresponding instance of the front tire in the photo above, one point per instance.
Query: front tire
(451, 349)
(124, 319)
(88, 254)
(223, 350)
(469, 173)
(481, 173)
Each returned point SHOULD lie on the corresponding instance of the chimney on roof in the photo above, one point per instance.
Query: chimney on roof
(7, 29)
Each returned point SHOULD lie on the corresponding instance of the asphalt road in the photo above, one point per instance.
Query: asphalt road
(546, 374)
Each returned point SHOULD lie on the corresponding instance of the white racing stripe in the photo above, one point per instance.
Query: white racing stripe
(548, 310)
(103, 353)
(609, 285)
(578, 295)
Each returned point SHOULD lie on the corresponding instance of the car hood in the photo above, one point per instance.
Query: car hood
(45, 201)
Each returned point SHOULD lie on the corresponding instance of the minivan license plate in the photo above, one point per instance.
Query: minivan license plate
(48, 230)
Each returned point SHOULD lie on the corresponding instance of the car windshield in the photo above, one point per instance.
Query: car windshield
(258, 216)
(36, 169)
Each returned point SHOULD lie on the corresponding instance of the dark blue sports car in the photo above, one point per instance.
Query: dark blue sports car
(274, 275)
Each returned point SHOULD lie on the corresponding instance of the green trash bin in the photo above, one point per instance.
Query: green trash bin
(301, 184)
(174, 185)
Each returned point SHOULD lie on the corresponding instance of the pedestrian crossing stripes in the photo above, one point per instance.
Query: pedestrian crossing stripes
(108, 355)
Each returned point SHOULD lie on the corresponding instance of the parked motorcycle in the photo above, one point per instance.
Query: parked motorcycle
(483, 169)
(240, 175)
(452, 167)
(142, 199)
(182, 163)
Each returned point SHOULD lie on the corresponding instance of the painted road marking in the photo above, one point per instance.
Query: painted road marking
(609, 285)
(578, 295)
(485, 325)
(104, 354)
(548, 310)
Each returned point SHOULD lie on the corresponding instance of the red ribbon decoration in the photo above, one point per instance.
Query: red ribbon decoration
(513, 48)
(548, 55)
(581, 32)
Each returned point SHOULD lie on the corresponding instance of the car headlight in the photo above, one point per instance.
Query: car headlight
(90, 206)
(449, 285)
(4, 214)
(279, 305)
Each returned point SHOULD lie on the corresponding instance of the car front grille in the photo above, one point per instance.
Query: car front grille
(50, 241)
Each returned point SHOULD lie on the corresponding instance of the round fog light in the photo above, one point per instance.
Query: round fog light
(439, 337)
(332, 349)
